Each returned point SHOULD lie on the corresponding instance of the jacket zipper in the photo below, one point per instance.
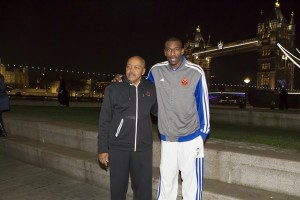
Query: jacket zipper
(136, 115)
(119, 127)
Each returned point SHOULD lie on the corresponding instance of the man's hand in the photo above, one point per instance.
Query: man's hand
(204, 141)
(103, 159)
(117, 78)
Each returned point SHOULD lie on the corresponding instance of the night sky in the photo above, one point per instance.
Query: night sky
(99, 36)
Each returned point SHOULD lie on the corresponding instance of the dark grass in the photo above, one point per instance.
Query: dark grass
(90, 115)
(262, 135)
(86, 115)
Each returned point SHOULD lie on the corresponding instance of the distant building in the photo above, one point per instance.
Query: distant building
(15, 78)
(274, 70)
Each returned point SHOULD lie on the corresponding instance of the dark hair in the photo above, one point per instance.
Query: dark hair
(174, 39)
(141, 59)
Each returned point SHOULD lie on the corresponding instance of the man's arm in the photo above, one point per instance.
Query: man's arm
(150, 77)
(117, 78)
(2, 86)
(103, 132)
(154, 108)
(202, 101)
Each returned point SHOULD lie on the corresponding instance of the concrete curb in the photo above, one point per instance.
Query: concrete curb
(84, 167)
(256, 166)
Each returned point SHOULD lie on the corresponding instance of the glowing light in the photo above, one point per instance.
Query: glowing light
(226, 47)
(286, 51)
(58, 69)
(247, 80)
(288, 54)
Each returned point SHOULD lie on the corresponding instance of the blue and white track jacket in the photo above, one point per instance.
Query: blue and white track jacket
(183, 105)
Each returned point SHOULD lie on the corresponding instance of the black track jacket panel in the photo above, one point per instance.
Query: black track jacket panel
(122, 105)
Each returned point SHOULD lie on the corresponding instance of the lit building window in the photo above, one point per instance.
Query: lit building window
(265, 79)
(266, 66)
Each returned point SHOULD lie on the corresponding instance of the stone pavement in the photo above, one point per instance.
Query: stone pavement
(21, 181)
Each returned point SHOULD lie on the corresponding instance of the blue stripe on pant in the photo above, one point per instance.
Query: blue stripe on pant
(199, 174)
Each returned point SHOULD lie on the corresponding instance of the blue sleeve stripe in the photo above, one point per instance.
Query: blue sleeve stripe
(150, 77)
(201, 96)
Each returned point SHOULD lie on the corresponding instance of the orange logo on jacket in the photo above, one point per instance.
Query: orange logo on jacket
(185, 82)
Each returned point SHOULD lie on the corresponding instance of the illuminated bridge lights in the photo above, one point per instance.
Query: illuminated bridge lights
(228, 46)
(251, 86)
(289, 55)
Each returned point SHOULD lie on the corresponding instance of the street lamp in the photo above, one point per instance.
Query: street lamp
(246, 81)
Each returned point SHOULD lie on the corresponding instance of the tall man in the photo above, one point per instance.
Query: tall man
(183, 122)
(125, 132)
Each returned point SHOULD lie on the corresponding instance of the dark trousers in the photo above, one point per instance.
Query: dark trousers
(136, 164)
(2, 129)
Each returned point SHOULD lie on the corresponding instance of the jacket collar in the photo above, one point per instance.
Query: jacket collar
(125, 80)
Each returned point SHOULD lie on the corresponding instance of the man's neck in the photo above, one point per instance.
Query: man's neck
(136, 83)
(175, 67)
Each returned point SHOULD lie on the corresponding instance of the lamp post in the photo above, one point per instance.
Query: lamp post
(284, 57)
(246, 81)
(286, 71)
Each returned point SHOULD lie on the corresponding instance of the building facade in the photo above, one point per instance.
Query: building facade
(16, 78)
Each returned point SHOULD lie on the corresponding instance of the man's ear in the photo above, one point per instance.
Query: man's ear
(182, 51)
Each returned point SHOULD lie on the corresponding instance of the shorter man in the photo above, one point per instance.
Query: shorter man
(125, 132)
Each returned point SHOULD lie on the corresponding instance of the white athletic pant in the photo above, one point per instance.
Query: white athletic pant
(188, 157)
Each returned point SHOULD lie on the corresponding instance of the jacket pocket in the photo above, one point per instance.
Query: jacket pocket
(119, 127)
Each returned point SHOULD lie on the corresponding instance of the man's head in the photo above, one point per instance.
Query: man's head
(173, 51)
(135, 69)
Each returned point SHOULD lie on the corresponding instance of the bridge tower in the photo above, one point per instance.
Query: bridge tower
(198, 43)
(274, 69)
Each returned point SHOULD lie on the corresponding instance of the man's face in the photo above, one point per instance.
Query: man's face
(135, 69)
(173, 52)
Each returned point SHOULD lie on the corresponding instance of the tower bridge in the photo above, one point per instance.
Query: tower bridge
(274, 70)
(222, 49)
